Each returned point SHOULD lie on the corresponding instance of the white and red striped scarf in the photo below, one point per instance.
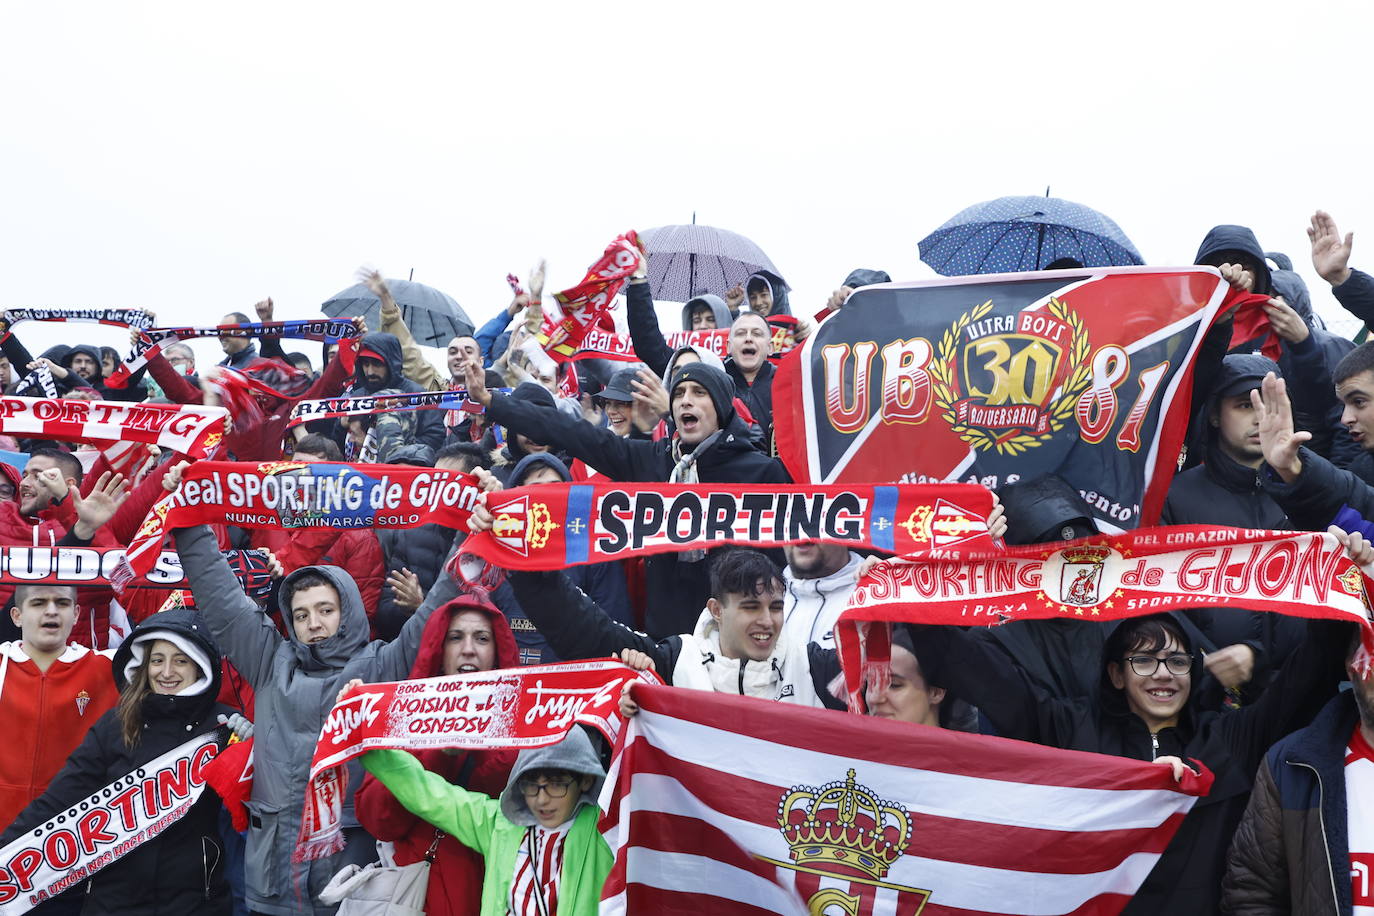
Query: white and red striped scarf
(538, 866)
(192, 429)
(736, 806)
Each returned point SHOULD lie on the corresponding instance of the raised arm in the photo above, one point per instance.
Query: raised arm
(645, 334)
(242, 631)
(471, 817)
(575, 626)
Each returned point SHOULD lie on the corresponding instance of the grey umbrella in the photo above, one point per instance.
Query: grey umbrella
(686, 261)
(433, 318)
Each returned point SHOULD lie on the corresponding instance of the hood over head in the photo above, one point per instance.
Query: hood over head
(185, 628)
(386, 347)
(527, 465)
(574, 754)
(1227, 238)
(429, 659)
(536, 395)
(717, 384)
(337, 650)
(775, 283)
(704, 354)
(13, 475)
(862, 276)
(56, 353)
(1044, 509)
(712, 301)
(93, 352)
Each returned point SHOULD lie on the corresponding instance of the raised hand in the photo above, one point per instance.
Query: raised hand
(1357, 547)
(734, 297)
(405, 588)
(1278, 440)
(1330, 254)
(172, 479)
(98, 506)
(347, 689)
(476, 379)
(264, 309)
(537, 280)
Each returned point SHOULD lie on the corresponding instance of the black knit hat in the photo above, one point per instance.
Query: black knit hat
(717, 384)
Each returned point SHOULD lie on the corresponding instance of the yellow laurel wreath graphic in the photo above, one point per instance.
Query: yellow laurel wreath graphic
(1079, 375)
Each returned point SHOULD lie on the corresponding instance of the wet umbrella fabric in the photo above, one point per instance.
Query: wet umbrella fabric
(688, 260)
(434, 318)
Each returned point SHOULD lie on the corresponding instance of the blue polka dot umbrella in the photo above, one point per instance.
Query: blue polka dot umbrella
(686, 261)
(1012, 234)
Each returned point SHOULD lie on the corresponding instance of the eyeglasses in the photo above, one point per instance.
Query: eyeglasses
(553, 786)
(1147, 665)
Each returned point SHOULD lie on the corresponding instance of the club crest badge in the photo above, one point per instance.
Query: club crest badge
(1010, 382)
(522, 525)
(83, 699)
(842, 840)
(1080, 578)
(944, 525)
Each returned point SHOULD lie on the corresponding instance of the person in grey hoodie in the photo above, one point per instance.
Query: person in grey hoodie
(295, 680)
(705, 313)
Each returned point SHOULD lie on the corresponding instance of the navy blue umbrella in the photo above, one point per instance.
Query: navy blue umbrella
(1012, 234)
(433, 318)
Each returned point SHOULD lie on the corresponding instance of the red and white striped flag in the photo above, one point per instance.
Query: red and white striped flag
(731, 805)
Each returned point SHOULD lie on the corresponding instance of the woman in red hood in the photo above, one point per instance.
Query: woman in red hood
(467, 634)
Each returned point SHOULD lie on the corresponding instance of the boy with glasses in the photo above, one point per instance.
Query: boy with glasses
(544, 854)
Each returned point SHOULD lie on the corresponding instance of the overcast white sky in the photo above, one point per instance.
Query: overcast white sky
(193, 158)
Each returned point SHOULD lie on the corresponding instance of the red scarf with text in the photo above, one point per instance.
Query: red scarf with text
(506, 708)
(192, 429)
(583, 305)
(1147, 571)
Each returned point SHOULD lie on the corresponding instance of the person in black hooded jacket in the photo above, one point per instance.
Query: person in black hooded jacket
(379, 367)
(1150, 715)
(168, 672)
(710, 445)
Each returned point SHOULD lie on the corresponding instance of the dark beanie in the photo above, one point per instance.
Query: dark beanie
(534, 393)
(717, 385)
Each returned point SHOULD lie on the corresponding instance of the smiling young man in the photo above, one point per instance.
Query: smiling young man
(710, 445)
(51, 692)
(738, 645)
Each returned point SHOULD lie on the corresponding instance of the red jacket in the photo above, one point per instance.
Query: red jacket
(455, 880)
(46, 715)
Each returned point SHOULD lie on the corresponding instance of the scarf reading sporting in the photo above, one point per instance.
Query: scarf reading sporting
(508, 708)
(103, 828)
(551, 526)
(584, 304)
(333, 408)
(120, 318)
(192, 429)
(297, 494)
(1303, 574)
(152, 340)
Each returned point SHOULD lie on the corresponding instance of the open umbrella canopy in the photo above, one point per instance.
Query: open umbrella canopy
(433, 318)
(1013, 234)
(686, 261)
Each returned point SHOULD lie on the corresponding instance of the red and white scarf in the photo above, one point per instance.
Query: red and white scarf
(583, 305)
(513, 708)
(103, 828)
(1147, 571)
(192, 429)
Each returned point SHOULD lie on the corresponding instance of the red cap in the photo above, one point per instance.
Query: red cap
(372, 354)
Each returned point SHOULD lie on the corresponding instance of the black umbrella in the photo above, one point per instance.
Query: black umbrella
(433, 318)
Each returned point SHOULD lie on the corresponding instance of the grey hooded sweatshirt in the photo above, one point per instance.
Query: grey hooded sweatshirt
(574, 754)
(295, 685)
(714, 303)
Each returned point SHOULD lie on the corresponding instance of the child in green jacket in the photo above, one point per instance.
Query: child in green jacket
(544, 854)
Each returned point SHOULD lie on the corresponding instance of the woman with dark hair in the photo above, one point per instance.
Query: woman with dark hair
(168, 673)
(1146, 708)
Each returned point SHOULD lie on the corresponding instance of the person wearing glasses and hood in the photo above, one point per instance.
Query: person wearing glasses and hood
(544, 854)
(168, 675)
(1146, 708)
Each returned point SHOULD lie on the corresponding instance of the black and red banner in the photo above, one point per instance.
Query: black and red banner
(994, 379)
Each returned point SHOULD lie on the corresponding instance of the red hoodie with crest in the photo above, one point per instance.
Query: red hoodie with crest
(455, 880)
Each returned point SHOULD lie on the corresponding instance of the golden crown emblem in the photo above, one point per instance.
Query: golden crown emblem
(842, 827)
(1087, 553)
(917, 524)
(541, 525)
